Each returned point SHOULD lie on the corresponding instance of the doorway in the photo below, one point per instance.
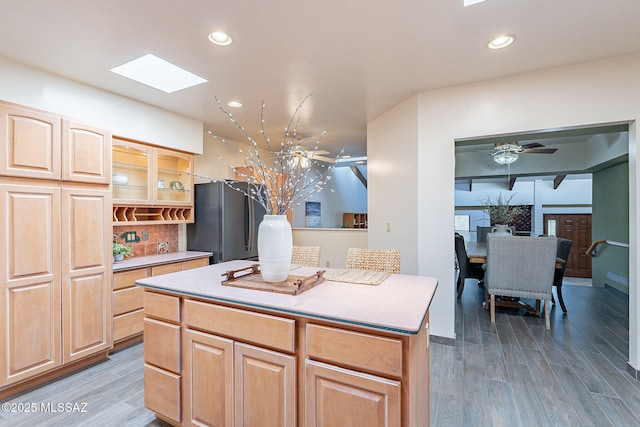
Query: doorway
(575, 227)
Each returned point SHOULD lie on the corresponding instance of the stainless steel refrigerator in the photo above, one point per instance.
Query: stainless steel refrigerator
(225, 222)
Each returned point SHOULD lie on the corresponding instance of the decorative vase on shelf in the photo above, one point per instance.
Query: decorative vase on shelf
(275, 243)
(501, 230)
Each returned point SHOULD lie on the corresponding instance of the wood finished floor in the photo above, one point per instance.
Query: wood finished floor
(573, 375)
(515, 373)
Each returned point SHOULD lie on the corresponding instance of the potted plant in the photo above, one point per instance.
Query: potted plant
(120, 251)
(501, 212)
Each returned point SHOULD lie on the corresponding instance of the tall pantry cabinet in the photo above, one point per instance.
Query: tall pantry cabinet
(55, 219)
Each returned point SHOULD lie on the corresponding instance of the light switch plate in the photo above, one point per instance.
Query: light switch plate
(145, 235)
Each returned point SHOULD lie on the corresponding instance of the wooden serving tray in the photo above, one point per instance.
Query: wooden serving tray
(250, 278)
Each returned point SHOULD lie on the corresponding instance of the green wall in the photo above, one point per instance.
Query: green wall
(610, 221)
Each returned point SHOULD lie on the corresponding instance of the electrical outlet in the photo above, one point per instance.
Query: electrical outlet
(163, 247)
(145, 235)
(327, 264)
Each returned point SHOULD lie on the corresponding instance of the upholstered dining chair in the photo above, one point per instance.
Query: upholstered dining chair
(466, 270)
(564, 247)
(520, 267)
(306, 255)
(384, 260)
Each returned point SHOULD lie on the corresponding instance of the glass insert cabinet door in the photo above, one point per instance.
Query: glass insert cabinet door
(131, 179)
(173, 178)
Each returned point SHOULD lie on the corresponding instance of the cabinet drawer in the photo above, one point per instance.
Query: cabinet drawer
(162, 344)
(271, 331)
(128, 299)
(128, 324)
(162, 306)
(162, 392)
(195, 263)
(368, 352)
(125, 279)
(157, 270)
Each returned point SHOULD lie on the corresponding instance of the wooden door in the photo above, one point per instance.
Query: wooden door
(86, 153)
(575, 227)
(86, 260)
(265, 388)
(29, 281)
(29, 143)
(207, 389)
(337, 396)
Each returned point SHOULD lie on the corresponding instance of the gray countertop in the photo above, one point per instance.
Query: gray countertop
(146, 261)
(399, 304)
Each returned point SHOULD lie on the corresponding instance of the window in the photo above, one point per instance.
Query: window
(462, 222)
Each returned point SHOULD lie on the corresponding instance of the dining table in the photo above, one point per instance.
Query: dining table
(477, 253)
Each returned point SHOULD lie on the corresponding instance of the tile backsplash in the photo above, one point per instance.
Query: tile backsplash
(157, 234)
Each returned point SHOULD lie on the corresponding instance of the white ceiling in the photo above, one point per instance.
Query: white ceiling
(358, 57)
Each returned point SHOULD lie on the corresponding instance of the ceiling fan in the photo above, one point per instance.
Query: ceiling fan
(507, 152)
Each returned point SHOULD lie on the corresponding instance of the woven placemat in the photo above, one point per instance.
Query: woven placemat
(364, 277)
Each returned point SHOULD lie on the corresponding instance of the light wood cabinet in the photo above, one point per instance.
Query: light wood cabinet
(264, 387)
(128, 299)
(338, 396)
(243, 367)
(132, 177)
(163, 357)
(173, 177)
(30, 281)
(55, 281)
(37, 144)
(225, 380)
(150, 184)
(86, 153)
(86, 261)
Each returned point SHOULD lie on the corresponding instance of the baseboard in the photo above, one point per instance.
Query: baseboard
(442, 340)
(633, 372)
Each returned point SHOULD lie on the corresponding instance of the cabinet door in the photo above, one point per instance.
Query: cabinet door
(86, 275)
(29, 143)
(207, 380)
(265, 388)
(173, 181)
(132, 172)
(29, 281)
(337, 396)
(86, 153)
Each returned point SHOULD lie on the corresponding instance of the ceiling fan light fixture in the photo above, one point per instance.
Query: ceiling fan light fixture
(505, 157)
(501, 41)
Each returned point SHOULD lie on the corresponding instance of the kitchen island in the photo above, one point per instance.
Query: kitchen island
(337, 354)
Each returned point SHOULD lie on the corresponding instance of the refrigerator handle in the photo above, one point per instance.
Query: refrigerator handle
(249, 227)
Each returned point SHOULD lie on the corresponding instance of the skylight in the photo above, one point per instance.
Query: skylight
(158, 73)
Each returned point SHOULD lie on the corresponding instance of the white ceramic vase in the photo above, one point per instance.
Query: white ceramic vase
(275, 242)
(501, 230)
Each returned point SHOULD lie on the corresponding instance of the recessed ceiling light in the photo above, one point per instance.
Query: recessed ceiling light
(158, 73)
(472, 2)
(346, 156)
(234, 104)
(220, 38)
(501, 41)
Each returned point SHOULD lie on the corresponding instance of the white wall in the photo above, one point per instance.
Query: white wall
(124, 117)
(343, 193)
(392, 143)
(599, 92)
